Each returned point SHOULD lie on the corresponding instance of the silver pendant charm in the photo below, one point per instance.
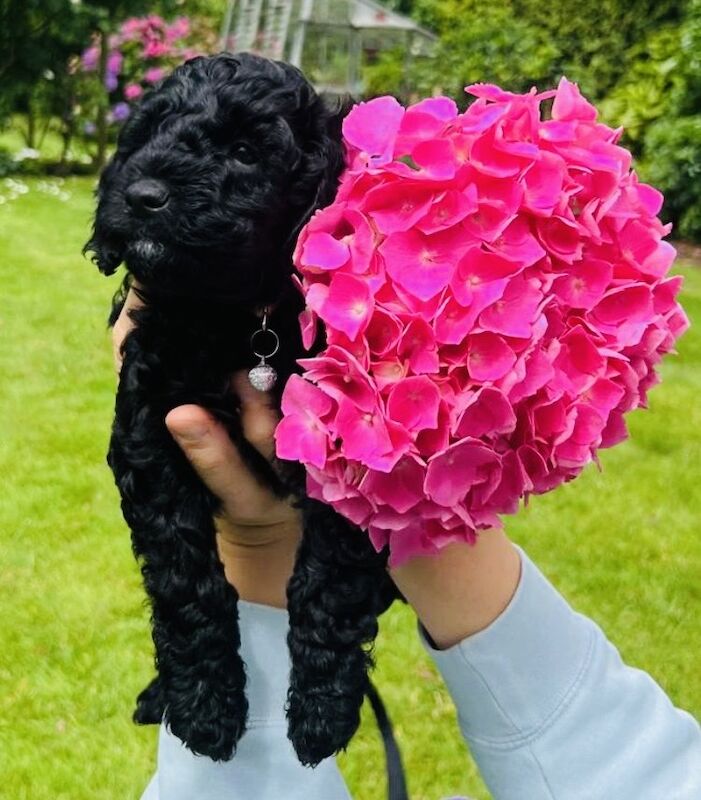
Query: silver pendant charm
(263, 377)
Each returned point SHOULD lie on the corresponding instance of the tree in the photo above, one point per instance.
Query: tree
(38, 39)
(105, 16)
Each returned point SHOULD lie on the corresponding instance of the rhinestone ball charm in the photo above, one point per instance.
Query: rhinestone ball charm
(262, 377)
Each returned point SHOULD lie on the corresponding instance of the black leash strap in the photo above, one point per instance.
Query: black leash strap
(396, 780)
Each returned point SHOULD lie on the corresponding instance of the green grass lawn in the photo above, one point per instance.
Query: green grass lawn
(622, 545)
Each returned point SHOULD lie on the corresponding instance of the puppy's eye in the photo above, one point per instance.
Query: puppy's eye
(244, 153)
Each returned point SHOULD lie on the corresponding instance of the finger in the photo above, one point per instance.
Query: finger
(208, 447)
(259, 414)
(131, 303)
(123, 325)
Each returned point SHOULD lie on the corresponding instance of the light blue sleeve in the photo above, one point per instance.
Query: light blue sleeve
(550, 711)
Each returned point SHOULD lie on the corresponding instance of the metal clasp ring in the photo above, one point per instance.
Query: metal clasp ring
(265, 329)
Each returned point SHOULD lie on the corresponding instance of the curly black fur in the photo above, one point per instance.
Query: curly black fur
(214, 174)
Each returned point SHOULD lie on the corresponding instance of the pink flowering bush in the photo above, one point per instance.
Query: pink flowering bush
(495, 295)
(142, 52)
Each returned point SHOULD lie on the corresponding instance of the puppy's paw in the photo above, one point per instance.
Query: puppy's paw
(150, 704)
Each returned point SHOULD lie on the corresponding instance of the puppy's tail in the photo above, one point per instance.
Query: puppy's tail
(396, 779)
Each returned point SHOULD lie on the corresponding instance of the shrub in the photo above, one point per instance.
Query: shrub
(673, 164)
(650, 87)
(479, 41)
(141, 53)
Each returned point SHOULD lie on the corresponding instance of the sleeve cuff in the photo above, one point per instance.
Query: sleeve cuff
(511, 678)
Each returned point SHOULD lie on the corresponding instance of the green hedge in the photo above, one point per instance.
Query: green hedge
(673, 164)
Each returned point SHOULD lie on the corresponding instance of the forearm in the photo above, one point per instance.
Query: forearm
(461, 590)
(550, 712)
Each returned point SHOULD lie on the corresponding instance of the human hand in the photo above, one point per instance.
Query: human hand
(462, 589)
(123, 325)
(257, 532)
(455, 594)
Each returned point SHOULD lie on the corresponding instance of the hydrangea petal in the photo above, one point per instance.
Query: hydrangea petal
(301, 438)
(348, 305)
(397, 206)
(570, 105)
(413, 402)
(417, 264)
(514, 312)
(418, 345)
(300, 396)
(373, 126)
(322, 251)
(585, 283)
(486, 413)
(451, 474)
(450, 209)
(627, 303)
(401, 489)
(364, 433)
(489, 357)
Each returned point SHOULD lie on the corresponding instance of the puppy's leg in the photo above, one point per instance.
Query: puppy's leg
(194, 608)
(338, 589)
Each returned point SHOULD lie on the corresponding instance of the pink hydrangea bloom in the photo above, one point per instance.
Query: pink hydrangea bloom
(133, 91)
(178, 29)
(90, 58)
(154, 74)
(494, 291)
(155, 48)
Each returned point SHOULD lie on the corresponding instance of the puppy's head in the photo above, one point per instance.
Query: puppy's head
(215, 172)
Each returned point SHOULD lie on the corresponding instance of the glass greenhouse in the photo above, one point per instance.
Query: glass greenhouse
(330, 40)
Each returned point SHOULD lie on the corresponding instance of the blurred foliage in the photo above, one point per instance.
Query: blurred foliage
(37, 36)
(7, 163)
(658, 101)
(673, 145)
(479, 41)
(639, 61)
(40, 42)
(594, 40)
(526, 42)
(646, 92)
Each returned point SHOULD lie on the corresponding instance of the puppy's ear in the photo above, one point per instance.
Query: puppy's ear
(107, 253)
(336, 108)
(323, 160)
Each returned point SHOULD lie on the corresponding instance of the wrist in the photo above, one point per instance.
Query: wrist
(258, 560)
(463, 589)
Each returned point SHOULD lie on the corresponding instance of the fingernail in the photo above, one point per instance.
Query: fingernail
(192, 434)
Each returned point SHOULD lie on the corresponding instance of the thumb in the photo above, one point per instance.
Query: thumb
(207, 445)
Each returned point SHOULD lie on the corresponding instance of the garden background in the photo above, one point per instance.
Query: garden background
(622, 545)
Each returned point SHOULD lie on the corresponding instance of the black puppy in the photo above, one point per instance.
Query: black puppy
(215, 172)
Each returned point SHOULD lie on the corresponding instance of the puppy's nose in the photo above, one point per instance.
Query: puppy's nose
(147, 196)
